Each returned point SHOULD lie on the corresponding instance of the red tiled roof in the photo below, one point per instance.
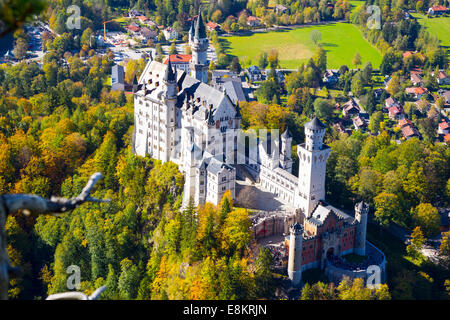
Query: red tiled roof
(143, 18)
(212, 25)
(395, 110)
(439, 8)
(447, 137)
(407, 54)
(408, 131)
(132, 28)
(418, 91)
(444, 125)
(404, 122)
(179, 58)
(252, 18)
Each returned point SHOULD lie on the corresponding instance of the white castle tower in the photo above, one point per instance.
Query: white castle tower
(313, 155)
(170, 99)
(199, 46)
(361, 212)
(285, 152)
(295, 254)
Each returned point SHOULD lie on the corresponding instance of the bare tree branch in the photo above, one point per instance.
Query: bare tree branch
(28, 203)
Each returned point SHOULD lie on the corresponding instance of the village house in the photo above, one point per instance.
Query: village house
(330, 77)
(416, 79)
(447, 138)
(444, 127)
(149, 35)
(179, 61)
(143, 19)
(407, 54)
(212, 26)
(134, 13)
(170, 34)
(350, 108)
(133, 29)
(391, 102)
(442, 78)
(253, 21)
(359, 123)
(404, 122)
(417, 92)
(437, 10)
(396, 113)
(255, 74)
(446, 96)
(409, 131)
(280, 9)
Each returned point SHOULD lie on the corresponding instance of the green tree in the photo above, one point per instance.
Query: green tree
(323, 108)
(387, 208)
(128, 282)
(427, 218)
(315, 36)
(357, 59)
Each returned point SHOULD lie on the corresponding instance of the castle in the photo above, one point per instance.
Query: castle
(180, 118)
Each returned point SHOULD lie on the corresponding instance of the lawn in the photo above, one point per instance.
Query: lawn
(356, 3)
(437, 26)
(340, 40)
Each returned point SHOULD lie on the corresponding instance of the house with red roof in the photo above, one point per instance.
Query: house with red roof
(444, 127)
(437, 10)
(133, 29)
(212, 26)
(404, 122)
(407, 54)
(447, 138)
(253, 21)
(179, 61)
(442, 78)
(396, 113)
(416, 92)
(409, 131)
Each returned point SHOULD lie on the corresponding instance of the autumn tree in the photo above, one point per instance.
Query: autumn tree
(427, 218)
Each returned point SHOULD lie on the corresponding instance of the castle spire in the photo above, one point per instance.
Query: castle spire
(169, 75)
(200, 31)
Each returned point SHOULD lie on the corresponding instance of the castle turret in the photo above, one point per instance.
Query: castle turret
(170, 82)
(313, 155)
(199, 47)
(191, 33)
(295, 254)
(170, 99)
(285, 152)
(361, 212)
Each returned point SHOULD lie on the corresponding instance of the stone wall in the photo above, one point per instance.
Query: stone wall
(336, 274)
(266, 224)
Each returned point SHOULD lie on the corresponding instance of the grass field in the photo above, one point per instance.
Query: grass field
(440, 27)
(356, 3)
(340, 40)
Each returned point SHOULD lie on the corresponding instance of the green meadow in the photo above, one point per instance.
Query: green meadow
(440, 27)
(340, 40)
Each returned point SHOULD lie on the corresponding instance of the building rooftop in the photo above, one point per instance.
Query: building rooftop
(315, 124)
